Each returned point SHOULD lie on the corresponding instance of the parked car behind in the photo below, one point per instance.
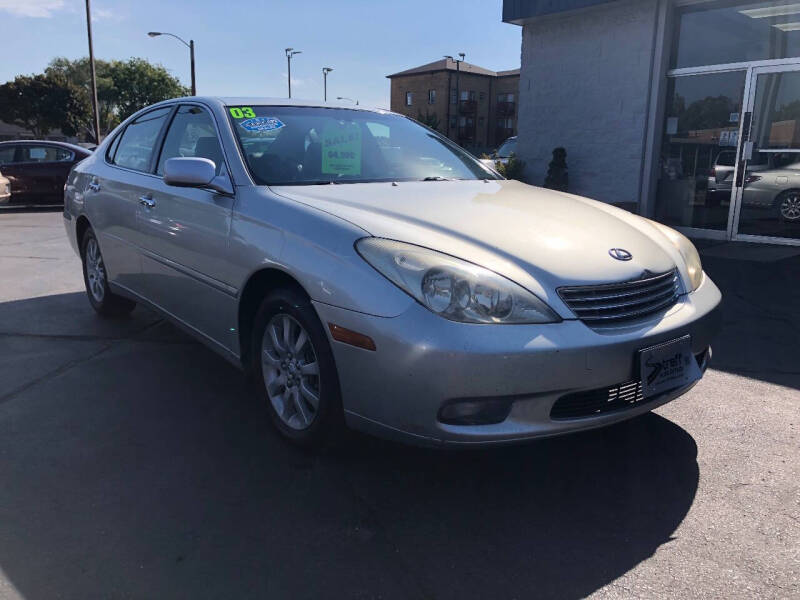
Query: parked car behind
(5, 189)
(505, 150)
(37, 170)
(369, 272)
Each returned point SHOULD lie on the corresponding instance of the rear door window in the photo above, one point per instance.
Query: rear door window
(138, 141)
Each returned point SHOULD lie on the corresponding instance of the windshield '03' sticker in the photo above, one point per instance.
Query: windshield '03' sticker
(262, 124)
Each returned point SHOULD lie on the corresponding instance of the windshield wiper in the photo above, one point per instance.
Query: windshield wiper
(436, 178)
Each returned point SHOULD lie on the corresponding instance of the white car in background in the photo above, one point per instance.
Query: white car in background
(5, 189)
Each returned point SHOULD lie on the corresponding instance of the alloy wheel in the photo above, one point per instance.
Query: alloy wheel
(291, 371)
(790, 207)
(95, 270)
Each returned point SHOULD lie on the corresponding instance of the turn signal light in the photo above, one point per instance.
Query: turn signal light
(353, 338)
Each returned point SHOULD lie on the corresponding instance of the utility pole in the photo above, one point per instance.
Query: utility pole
(290, 52)
(191, 58)
(93, 73)
(458, 91)
(325, 71)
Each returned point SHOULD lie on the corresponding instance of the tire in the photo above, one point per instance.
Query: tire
(300, 389)
(102, 299)
(787, 205)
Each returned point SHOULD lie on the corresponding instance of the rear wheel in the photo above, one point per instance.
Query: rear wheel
(294, 370)
(102, 299)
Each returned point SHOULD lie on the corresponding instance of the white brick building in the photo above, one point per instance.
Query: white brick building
(667, 107)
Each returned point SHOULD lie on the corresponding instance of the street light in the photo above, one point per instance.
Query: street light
(290, 52)
(346, 98)
(189, 44)
(325, 71)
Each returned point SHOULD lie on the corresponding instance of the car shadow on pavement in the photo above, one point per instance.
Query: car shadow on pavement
(136, 463)
(760, 287)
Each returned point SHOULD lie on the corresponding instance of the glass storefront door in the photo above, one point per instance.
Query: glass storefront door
(699, 149)
(767, 185)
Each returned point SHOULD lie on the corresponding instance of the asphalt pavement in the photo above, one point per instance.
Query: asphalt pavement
(135, 463)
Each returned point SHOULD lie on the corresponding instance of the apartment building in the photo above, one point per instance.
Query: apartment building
(473, 106)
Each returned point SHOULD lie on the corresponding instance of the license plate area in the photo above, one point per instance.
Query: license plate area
(667, 366)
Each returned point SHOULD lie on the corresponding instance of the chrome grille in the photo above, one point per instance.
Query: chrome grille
(625, 301)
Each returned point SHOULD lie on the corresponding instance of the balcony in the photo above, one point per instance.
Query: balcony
(506, 109)
(466, 134)
(467, 107)
(501, 134)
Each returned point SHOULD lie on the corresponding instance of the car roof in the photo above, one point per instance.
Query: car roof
(223, 101)
(66, 145)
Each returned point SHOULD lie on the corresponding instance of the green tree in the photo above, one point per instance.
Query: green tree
(78, 73)
(123, 87)
(429, 119)
(138, 83)
(41, 104)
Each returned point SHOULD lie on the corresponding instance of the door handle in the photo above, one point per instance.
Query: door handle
(94, 186)
(147, 201)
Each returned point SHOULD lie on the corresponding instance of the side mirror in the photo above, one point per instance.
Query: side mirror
(196, 173)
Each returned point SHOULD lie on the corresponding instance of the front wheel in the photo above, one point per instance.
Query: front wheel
(102, 299)
(294, 369)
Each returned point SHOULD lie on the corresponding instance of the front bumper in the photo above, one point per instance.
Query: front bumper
(423, 361)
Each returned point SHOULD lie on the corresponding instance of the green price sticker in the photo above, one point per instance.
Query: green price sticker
(242, 112)
(341, 149)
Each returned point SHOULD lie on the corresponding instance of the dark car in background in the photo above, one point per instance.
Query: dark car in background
(37, 170)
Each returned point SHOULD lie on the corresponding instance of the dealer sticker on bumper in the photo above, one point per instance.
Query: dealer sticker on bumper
(668, 366)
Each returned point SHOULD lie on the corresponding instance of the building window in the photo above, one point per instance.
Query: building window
(505, 97)
(431, 96)
(409, 98)
(731, 32)
(453, 122)
(453, 97)
(481, 96)
(472, 95)
(505, 123)
(465, 95)
(462, 121)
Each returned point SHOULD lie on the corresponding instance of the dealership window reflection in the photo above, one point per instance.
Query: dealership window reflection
(698, 154)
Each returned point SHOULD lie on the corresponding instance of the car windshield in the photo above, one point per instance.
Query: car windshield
(508, 148)
(297, 145)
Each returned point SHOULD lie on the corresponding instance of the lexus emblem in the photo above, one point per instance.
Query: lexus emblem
(620, 254)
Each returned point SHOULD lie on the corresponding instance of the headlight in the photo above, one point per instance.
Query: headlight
(453, 288)
(689, 253)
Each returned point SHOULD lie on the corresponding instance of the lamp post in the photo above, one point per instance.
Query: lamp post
(325, 71)
(189, 44)
(346, 98)
(290, 52)
(93, 74)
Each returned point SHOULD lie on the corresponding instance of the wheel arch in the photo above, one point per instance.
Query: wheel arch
(82, 224)
(258, 285)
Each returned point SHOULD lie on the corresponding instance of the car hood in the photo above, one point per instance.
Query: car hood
(539, 238)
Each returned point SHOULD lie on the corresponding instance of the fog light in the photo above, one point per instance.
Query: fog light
(483, 411)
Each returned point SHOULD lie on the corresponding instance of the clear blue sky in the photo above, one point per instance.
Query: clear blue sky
(240, 43)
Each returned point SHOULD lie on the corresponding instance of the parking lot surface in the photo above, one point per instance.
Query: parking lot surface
(135, 463)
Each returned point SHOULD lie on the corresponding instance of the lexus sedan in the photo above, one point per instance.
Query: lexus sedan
(368, 273)
(37, 170)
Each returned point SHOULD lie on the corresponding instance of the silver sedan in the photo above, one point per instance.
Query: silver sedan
(368, 273)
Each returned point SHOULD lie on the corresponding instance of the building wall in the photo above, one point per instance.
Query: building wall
(483, 131)
(419, 86)
(585, 84)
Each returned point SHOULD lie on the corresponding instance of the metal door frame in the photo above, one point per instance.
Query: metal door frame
(748, 104)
